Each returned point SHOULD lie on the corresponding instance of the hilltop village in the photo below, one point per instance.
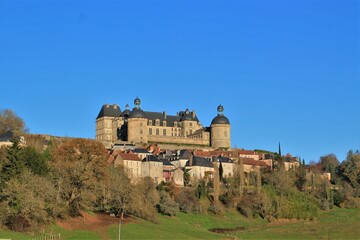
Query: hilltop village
(164, 147)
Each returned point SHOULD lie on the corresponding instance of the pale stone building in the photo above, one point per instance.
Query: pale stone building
(138, 126)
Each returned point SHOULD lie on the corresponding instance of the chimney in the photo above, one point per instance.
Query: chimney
(107, 105)
(164, 114)
(193, 114)
(115, 106)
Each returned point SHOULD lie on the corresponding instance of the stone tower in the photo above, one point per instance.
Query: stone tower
(107, 122)
(220, 130)
(137, 124)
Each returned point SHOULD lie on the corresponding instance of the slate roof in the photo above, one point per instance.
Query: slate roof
(225, 160)
(151, 158)
(109, 110)
(185, 154)
(187, 115)
(140, 150)
(166, 162)
(7, 136)
(137, 113)
(199, 161)
(220, 119)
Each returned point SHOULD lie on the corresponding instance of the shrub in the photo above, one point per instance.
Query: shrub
(187, 200)
(167, 205)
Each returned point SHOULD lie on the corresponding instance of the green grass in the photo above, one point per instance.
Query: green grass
(335, 224)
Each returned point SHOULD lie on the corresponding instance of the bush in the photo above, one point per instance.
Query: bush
(167, 205)
(188, 202)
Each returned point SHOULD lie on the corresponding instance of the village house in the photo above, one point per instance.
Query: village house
(152, 167)
(199, 167)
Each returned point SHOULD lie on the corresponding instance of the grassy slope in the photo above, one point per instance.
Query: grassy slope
(336, 224)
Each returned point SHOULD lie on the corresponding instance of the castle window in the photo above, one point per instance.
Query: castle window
(150, 122)
(164, 132)
(141, 124)
(150, 131)
(157, 122)
(157, 131)
(190, 131)
(141, 131)
(175, 124)
(190, 124)
(164, 123)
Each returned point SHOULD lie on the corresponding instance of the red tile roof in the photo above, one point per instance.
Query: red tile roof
(250, 161)
(129, 156)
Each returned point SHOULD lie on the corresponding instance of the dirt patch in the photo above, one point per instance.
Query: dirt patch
(227, 230)
(98, 222)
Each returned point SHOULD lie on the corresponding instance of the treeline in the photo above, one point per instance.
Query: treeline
(38, 186)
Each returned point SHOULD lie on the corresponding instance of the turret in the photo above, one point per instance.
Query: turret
(137, 124)
(220, 130)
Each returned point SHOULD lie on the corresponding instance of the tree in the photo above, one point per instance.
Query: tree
(9, 121)
(120, 192)
(329, 163)
(79, 172)
(13, 165)
(349, 170)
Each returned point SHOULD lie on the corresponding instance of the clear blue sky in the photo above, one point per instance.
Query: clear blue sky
(284, 71)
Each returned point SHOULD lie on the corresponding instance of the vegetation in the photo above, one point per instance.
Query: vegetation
(39, 186)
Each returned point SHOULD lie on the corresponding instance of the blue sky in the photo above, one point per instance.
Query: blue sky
(284, 71)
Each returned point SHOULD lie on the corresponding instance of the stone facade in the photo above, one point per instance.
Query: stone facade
(138, 126)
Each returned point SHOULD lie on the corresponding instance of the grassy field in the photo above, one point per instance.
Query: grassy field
(336, 224)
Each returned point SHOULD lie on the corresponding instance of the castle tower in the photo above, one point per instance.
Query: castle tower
(220, 130)
(137, 124)
(107, 121)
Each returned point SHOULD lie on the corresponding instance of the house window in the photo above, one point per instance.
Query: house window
(164, 132)
(157, 131)
(150, 131)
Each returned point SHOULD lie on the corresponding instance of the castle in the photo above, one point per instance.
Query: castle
(138, 126)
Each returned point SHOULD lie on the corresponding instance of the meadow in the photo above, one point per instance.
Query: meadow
(335, 224)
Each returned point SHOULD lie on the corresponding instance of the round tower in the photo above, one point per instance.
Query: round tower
(220, 130)
(137, 124)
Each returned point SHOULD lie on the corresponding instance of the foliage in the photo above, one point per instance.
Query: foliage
(188, 202)
(9, 121)
(167, 205)
(349, 170)
(78, 170)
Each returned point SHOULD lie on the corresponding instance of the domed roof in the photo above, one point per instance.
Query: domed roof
(137, 113)
(126, 112)
(220, 118)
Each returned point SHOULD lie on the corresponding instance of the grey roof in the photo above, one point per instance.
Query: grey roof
(151, 158)
(7, 136)
(108, 110)
(187, 115)
(225, 160)
(140, 150)
(170, 119)
(166, 162)
(220, 119)
(185, 154)
(199, 161)
(137, 113)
